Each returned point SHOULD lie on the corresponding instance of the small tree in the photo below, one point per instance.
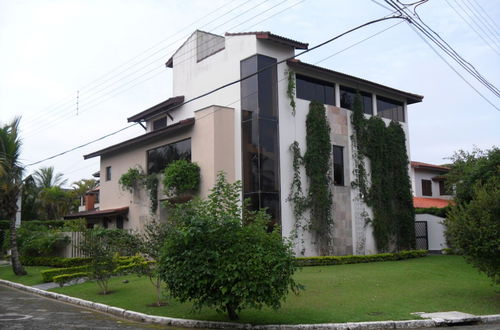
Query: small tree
(151, 242)
(213, 259)
(473, 225)
(103, 246)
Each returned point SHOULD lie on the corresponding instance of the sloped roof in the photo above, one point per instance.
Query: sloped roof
(425, 202)
(148, 137)
(97, 213)
(297, 64)
(266, 35)
(429, 166)
(166, 105)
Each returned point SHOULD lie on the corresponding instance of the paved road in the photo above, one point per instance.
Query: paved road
(22, 310)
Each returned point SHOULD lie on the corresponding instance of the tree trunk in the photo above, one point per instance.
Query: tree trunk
(231, 312)
(17, 267)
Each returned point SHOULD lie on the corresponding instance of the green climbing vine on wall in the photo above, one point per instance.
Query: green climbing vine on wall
(317, 163)
(134, 178)
(388, 190)
(290, 91)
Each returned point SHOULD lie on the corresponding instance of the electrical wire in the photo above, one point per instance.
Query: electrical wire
(226, 85)
(473, 28)
(419, 29)
(443, 45)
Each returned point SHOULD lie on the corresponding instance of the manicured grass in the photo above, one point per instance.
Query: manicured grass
(343, 293)
(34, 277)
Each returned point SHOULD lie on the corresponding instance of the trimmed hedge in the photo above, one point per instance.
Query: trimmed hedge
(54, 261)
(51, 224)
(438, 212)
(355, 259)
(65, 278)
(49, 274)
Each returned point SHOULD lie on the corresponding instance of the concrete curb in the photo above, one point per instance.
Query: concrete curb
(186, 323)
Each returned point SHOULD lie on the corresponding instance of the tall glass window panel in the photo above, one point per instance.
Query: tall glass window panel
(160, 157)
(250, 150)
(347, 96)
(268, 153)
(390, 109)
(338, 165)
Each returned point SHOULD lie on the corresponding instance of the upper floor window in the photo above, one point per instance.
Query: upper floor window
(160, 157)
(312, 89)
(443, 188)
(426, 187)
(338, 165)
(159, 123)
(390, 109)
(108, 173)
(347, 96)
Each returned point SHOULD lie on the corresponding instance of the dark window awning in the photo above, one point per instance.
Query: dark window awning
(98, 213)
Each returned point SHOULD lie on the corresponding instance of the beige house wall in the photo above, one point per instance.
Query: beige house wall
(212, 147)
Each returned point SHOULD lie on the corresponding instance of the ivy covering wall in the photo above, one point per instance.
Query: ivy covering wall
(387, 188)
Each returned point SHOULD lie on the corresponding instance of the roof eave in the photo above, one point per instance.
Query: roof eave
(174, 128)
(410, 97)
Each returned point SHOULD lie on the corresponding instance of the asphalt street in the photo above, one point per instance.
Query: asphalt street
(22, 310)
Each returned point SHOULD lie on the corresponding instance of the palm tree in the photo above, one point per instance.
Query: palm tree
(54, 201)
(11, 171)
(46, 178)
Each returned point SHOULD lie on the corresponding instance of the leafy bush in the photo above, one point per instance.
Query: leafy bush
(355, 259)
(474, 228)
(213, 259)
(130, 180)
(49, 274)
(39, 242)
(54, 261)
(181, 176)
(65, 278)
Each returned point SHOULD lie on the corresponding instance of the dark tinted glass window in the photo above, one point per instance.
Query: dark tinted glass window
(160, 157)
(314, 89)
(426, 187)
(390, 109)
(259, 134)
(108, 173)
(338, 165)
(159, 123)
(347, 96)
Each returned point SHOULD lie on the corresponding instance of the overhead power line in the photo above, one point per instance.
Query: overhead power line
(227, 85)
(420, 26)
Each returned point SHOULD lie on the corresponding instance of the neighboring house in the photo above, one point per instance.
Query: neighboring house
(246, 130)
(430, 191)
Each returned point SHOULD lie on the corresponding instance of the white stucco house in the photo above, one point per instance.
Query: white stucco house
(246, 130)
(430, 191)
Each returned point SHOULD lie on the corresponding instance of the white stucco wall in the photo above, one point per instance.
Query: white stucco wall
(422, 174)
(435, 231)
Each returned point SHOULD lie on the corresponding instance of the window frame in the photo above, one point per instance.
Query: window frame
(165, 145)
(425, 191)
(318, 82)
(108, 173)
(340, 164)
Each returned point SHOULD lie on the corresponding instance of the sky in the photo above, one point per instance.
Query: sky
(74, 70)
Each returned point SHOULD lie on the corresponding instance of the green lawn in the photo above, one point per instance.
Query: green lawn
(33, 277)
(343, 293)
